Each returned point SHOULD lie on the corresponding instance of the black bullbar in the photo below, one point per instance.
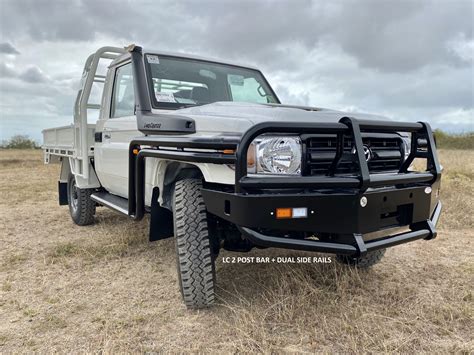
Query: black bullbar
(333, 202)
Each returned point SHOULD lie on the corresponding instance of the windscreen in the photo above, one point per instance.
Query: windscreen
(179, 82)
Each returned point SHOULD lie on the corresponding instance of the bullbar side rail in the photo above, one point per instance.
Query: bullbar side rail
(171, 148)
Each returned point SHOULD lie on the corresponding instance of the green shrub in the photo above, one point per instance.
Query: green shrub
(20, 142)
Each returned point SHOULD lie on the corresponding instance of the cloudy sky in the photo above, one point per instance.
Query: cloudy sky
(405, 59)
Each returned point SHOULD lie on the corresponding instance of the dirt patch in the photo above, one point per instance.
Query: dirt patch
(106, 288)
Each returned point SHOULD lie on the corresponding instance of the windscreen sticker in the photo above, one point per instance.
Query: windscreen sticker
(164, 96)
(153, 59)
(237, 80)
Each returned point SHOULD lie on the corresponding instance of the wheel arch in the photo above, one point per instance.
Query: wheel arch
(166, 175)
(166, 172)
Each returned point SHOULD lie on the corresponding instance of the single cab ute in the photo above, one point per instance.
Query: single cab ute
(209, 151)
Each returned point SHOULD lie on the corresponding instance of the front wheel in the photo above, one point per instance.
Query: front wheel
(81, 207)
(363, 262)
(195, 262)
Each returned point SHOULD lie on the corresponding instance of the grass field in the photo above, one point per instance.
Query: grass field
(454, 141)
(66, 288)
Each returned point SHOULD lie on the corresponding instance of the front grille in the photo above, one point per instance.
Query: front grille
(386, 151)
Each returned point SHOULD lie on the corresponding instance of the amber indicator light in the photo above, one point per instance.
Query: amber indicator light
(283, 213)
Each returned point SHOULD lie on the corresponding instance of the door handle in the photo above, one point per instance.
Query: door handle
(107, 135)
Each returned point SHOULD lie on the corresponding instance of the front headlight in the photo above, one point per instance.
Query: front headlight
(406, 147)
(275, 155)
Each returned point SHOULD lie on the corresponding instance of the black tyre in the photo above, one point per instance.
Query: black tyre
(81, 207)
(370, 259)
(195, 262)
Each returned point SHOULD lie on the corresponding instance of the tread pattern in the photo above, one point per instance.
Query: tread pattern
(196, 269)
(370, 259)
(84, 214)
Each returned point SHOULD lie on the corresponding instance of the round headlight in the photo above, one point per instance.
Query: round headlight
(278, 155)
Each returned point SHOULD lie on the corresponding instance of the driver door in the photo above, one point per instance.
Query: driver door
(118, 128)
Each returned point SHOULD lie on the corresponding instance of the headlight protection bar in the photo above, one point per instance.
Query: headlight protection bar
(420, 132)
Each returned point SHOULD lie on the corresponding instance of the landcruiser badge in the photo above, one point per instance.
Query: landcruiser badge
(367, 152)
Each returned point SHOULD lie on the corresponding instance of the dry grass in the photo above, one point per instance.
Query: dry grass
(106, 288)
(446, 140)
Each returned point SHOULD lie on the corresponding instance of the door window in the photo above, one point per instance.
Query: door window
(123, 99)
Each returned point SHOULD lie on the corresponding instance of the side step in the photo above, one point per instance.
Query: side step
(113, 202)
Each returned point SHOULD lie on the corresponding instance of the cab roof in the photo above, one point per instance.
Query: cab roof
(126, 55)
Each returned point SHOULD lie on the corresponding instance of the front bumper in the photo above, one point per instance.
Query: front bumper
(337, 214)
(356, 246)
(327, 212)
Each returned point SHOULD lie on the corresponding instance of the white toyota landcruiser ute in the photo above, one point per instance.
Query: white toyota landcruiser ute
(207, 149)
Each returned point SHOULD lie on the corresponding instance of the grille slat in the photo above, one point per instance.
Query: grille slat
(386, 154)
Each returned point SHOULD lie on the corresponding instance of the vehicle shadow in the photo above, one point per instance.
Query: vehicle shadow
(276, 273)
(272, 274)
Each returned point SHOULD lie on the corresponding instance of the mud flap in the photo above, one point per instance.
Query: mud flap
(62, 193)
(161, 220)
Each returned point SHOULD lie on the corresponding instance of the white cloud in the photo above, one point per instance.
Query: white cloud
(462, 47)
(455, 120)
(407, 60)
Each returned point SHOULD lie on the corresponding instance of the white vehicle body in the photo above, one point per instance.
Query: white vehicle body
(111, 155)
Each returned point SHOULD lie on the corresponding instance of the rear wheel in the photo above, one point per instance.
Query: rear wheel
(195, 262)
(81, 207)
(366, 261)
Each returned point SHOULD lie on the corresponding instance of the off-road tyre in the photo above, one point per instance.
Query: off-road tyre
(195, 262)
(81, 207)
(370, 259)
